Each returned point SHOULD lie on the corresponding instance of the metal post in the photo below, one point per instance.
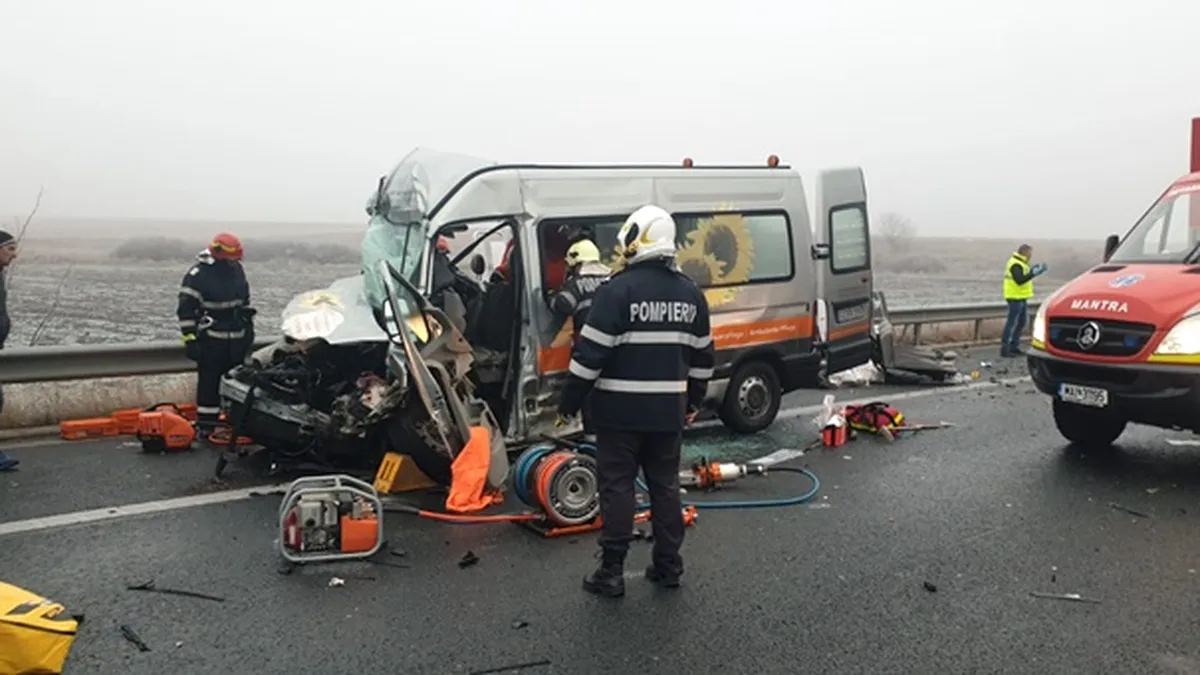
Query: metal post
(1195, 144)
(1193, 212)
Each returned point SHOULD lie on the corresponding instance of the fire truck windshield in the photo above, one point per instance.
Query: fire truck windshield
(1168, 233)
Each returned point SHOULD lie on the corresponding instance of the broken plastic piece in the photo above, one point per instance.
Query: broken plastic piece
(133, 637)
(511, 669)
(1126, 509)
(1073, 597)
(149, 586)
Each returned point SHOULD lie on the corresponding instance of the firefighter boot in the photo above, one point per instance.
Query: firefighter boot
(609, 578)
(661, 579)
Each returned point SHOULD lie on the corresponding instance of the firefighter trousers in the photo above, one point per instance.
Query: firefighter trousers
(217, 357)
(619, 455)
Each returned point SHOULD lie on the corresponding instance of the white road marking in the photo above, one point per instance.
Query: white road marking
(127, 510)
(226, 496)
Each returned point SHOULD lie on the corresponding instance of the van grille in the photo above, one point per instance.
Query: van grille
(1117, 338)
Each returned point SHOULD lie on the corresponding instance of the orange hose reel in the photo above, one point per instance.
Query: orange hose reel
(564, 486)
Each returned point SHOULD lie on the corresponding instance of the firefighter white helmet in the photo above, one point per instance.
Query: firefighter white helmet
(647, 234)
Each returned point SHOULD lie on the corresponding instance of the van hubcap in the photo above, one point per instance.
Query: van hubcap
(753, 397)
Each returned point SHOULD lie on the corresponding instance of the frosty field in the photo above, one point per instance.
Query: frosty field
(98, 303)
(89, 287)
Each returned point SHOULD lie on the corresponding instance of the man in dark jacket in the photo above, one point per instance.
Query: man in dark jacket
(645, 356)
(8, 253)
(216, 322)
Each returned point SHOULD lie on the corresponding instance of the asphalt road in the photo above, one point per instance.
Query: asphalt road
(985, 513)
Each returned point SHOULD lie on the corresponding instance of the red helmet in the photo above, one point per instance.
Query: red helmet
(226, 246)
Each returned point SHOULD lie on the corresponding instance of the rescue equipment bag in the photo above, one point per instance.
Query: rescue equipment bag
(871, 417)
(36, 634)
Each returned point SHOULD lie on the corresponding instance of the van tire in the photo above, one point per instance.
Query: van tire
(1087, 428)
(401, 433)
(752, 398)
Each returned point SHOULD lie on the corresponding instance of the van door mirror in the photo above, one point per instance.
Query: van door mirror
(478, 265)
(820, 251)
(1110, 245)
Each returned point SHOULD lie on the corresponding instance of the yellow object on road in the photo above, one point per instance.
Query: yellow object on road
(36, 634)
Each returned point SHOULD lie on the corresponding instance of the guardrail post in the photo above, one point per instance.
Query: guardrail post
(977, 330)
(916, 333)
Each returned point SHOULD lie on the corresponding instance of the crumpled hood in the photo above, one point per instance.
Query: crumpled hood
(1157, 294)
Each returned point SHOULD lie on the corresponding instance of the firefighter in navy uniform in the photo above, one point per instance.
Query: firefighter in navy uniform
(585, 273)
(217, 322)
(645, 356)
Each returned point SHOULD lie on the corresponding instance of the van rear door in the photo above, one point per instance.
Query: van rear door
(844, 276)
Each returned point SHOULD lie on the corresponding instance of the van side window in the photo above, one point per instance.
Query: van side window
(726, 248)
(730, 248)
(848, 243)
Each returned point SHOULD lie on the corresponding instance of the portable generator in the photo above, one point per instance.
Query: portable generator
(329, 518)
(163, 428)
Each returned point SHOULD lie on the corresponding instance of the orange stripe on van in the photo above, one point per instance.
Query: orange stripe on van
(856, 328)
(732, 336)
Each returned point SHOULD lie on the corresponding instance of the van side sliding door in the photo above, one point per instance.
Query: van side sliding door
(844, 276)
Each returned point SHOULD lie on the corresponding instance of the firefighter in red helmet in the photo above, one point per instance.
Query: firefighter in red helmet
(216, 320)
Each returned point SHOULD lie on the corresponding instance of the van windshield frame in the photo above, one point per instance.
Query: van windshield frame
(1168, 233)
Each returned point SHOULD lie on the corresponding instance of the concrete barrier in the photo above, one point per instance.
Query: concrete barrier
(38, 405)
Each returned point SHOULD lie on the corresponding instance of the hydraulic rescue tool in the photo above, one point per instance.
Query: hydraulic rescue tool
(705, 474)
(163, 428)
(329, 518)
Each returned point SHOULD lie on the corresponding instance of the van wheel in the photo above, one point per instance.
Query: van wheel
(1087, 428)
(752, 398)
(401, 433)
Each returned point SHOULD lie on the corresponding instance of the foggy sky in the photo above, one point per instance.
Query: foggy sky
(1054, 118)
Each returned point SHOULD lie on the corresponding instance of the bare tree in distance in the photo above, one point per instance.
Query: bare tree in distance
(896, 231)
(23, 226)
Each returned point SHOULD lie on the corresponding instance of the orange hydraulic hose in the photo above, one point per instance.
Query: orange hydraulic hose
(454, 518)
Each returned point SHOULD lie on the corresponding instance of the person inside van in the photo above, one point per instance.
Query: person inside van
(497, 312)
(453, 292)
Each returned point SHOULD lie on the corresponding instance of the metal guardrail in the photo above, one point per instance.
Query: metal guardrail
(87, 362)
(916, 317)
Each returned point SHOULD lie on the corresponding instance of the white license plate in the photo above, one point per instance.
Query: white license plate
(1089, 396)
(851, 314)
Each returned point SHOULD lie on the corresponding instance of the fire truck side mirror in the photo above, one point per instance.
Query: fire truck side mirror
(1110, 245)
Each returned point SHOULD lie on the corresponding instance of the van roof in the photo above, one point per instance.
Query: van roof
(447, 187)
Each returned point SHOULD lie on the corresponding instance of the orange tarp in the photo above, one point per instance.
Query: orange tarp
(468, 483)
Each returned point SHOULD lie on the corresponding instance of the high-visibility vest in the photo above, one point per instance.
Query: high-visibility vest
(1013, 290)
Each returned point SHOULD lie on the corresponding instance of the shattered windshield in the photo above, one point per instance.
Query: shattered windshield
(400, 214)
(1168, 232)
